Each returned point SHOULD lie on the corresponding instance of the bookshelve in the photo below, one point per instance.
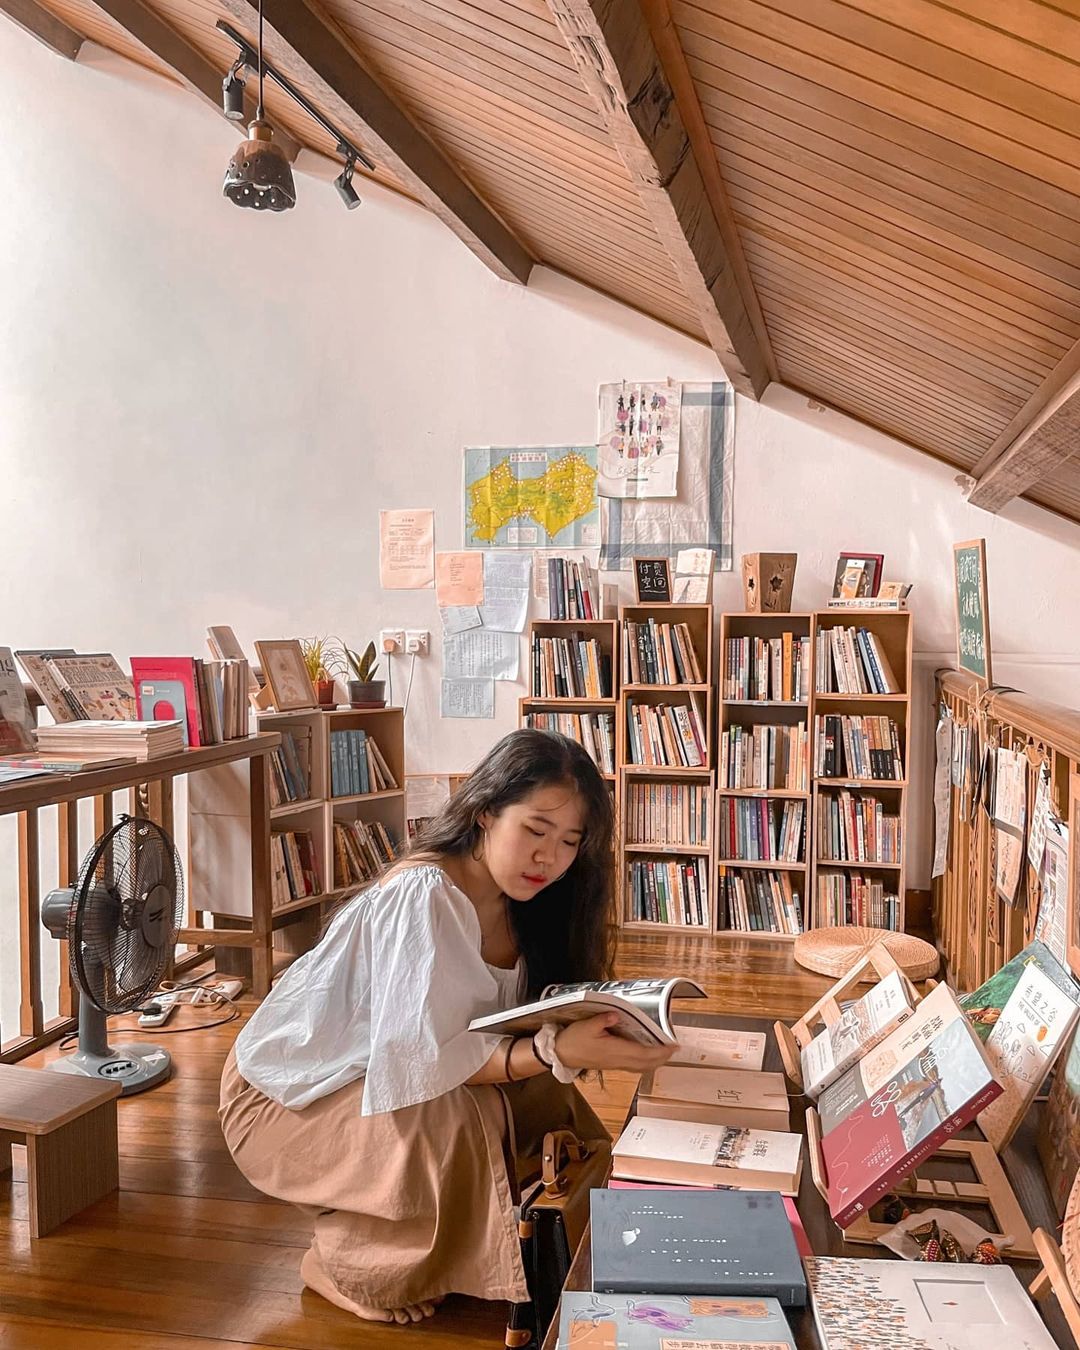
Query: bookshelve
(851, 804)
(665, 855)
(565, 713)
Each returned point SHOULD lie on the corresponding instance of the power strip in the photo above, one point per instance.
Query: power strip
(225, 991)
(166, 1003)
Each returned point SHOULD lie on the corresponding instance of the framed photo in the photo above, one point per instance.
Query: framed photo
(652, 581)
(972, 610)
(285, 672)
(873, 565)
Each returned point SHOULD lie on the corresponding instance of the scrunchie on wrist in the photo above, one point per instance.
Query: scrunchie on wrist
(544, 1041)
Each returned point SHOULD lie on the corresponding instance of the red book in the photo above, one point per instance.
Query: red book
(898, 1104)
(166, 691)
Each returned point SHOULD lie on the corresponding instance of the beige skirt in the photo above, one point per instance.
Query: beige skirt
(412, 1204)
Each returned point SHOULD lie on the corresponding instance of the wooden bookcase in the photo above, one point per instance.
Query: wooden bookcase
(893, 630)
(606, 634)
(749, 713)
(699, 622)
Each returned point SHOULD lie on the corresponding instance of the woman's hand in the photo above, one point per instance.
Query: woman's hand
(591, 1045)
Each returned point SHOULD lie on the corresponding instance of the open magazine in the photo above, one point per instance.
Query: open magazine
(643, 1007)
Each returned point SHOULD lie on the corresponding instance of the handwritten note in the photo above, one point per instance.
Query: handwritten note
(406, 550)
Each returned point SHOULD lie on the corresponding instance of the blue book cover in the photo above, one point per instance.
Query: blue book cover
(648, 1322)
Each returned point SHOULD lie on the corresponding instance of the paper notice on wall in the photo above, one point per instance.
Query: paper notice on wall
(638, 439)
(1010, 808)
(425, 794)
(468, 698)
(1040, 815)
(481, 652)
(1052, 924)
(459, 618)
(459, 578)
(406, 550)
(506, 591)
(942, 791)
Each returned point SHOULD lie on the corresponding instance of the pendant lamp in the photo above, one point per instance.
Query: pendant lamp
(259, 174)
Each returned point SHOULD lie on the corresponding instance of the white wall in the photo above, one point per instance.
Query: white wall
(203, 410)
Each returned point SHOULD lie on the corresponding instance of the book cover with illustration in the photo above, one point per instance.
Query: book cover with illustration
(715, 1096)
(909, 1305)
(862, 1025)
(591, 1321)
(643, 1006)
(718, 1047)
(166, 690)
(680, 1151)
(1024, 1014)
(892, 1108)
(16, 719)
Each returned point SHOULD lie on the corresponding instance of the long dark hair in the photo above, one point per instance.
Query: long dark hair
(566, 933)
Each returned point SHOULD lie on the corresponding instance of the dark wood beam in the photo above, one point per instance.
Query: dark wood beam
(615, 52)
(307, 47)
(149, 30)
(1050, 439)
(48, 29)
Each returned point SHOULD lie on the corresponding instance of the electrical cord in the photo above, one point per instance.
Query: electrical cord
(408, 690)
(179, 987)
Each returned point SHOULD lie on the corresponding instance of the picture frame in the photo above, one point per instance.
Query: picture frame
(873, 564)
(972, 611)
(652, 581)
(286, 674)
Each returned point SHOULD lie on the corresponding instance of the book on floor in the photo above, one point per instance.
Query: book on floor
(720, 1156)
(912, 1305)
(643, 1007)
(1024, 1015)
(591, 1321)
(715, 1097)
(862, 1025)
(695, 1242)
(718, 1047)
(896, 1105)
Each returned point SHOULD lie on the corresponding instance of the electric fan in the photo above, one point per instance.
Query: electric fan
(120, 920)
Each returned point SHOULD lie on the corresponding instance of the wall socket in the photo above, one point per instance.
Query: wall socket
(392, 640)
(417, 642)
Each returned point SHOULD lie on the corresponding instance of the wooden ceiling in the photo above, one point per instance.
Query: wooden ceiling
(874, 202)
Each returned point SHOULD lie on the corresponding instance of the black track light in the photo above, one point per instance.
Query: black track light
(232, 92)
(343, 183)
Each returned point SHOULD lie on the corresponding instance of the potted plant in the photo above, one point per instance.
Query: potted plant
(320, 661)
(364, 692)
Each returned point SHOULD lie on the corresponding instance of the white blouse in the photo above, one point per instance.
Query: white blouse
(386, 995)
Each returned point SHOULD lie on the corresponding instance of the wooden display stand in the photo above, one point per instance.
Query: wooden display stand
(1054, 1279)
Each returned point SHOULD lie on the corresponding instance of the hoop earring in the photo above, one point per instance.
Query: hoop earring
(482, 836)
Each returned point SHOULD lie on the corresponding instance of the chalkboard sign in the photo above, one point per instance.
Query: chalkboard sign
(972, 610)
(652, 580)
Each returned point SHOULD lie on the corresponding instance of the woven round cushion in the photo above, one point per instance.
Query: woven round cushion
(833, 951)
(1070, 1237)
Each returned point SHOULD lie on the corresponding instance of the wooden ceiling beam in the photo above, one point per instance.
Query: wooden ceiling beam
(148, 29)
(1051, 438)
(616, 54)
(46, 27)
(307, 47)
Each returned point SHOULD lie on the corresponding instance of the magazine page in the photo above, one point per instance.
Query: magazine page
(652, 997)
(576, 1006)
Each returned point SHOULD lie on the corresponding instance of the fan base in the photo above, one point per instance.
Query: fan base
(134, 1067)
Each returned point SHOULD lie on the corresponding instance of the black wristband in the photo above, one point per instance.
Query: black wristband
(506, 1063)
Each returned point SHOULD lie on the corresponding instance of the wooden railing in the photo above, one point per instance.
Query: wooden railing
(976, 931)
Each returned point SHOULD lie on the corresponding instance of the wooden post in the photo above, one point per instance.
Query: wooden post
(31, 1020)
(67, 847)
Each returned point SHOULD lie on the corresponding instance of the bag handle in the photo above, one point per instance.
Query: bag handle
(555, 1143)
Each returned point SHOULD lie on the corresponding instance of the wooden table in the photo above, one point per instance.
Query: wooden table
(1021, 1164)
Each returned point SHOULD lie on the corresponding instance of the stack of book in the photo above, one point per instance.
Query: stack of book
(357, 765)
(294, 872)
(573, 589)
(362, 849)
(852, 661)
(668, 813)
(670, 891)
(593, 730)
(852, 898)
(290, 768)
(765, 670)
(659, 653)
(855, 828)
(105, 739)
(753, 829)
(758, 902)
(671, 734)
(209, 698)
(765, 756)
(569, 667)
(857, 747)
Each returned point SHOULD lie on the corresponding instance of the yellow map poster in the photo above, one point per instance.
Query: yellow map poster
(531, 498)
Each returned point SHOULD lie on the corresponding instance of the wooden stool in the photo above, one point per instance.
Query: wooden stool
(833, 951)
(68, 1125)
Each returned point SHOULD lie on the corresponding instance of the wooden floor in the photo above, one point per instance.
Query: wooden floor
(187, 1256)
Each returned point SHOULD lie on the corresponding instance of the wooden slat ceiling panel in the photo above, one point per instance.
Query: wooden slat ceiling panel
(1060, 491)
(88, 20)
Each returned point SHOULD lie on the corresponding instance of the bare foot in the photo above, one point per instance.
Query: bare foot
(316, 1278)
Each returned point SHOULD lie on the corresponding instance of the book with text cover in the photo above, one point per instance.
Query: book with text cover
(643, 1007)
(16, 719)
(35, 664)
(695, 1242)
(1024, 1015)
(897, 1104)
(862, 1025)
(687, 1322)
(912, 1305)
(718, 1047)
(166, 691)
(719, 1156)
(715, 1097)
(94, 687)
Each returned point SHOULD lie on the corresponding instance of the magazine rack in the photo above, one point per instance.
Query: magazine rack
(873, 968)
(990, 1191)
